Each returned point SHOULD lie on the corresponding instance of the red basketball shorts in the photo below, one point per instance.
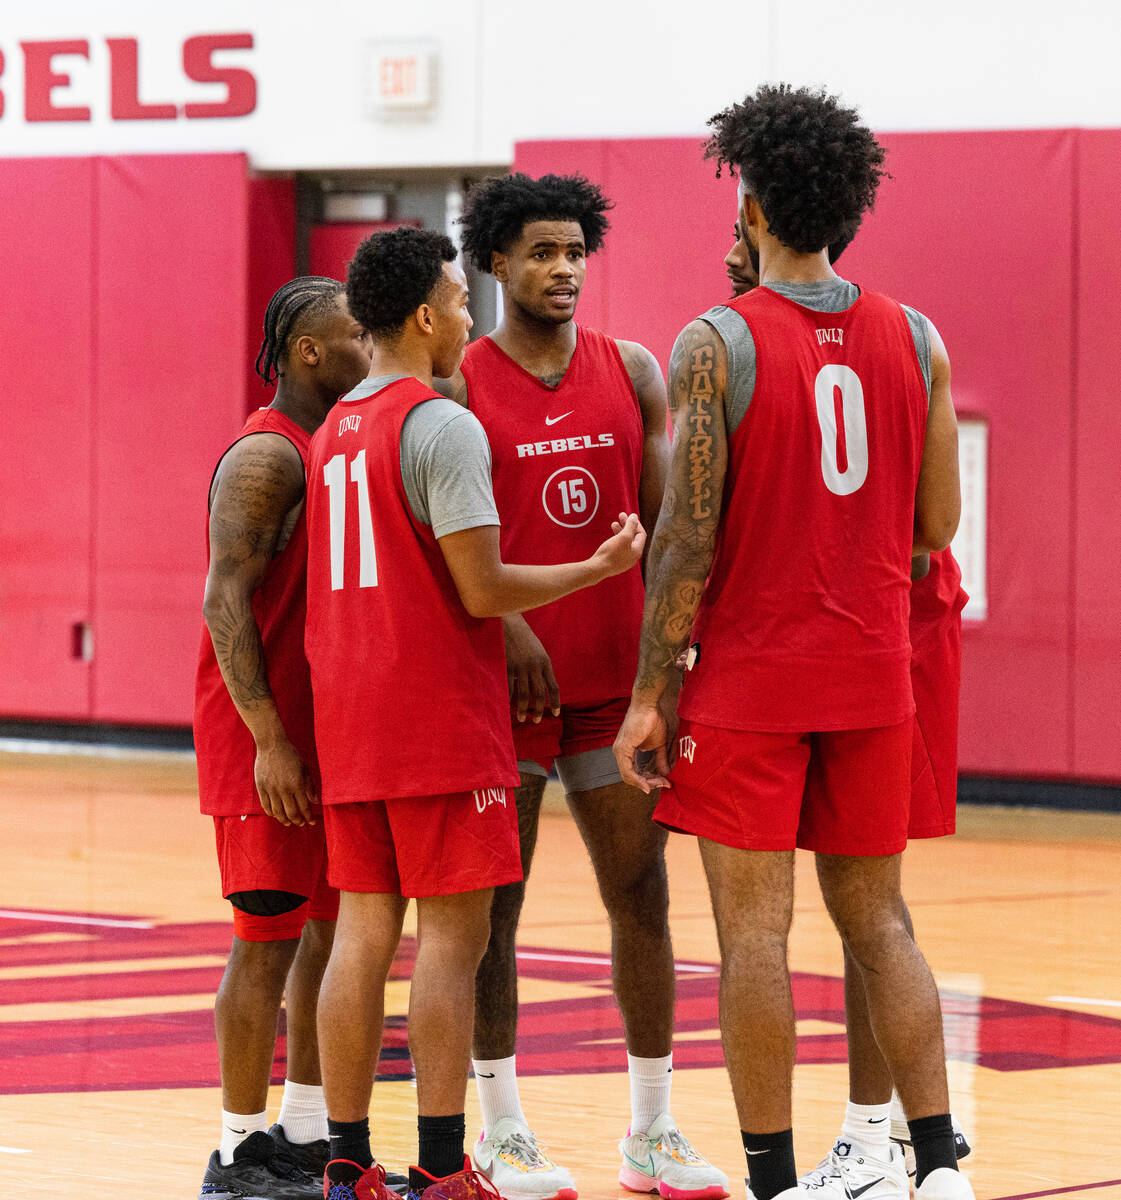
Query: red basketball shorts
(936, 683)
(257, 853)
(842, 792)
(425, 845)
(575, 731)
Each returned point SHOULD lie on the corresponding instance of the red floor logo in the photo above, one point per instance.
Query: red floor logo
(583, 1036)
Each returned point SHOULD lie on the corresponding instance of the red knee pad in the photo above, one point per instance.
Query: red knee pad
(281, 928)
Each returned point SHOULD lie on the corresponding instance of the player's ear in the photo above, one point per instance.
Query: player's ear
(498, 266)
(423, 318)
(307, 350)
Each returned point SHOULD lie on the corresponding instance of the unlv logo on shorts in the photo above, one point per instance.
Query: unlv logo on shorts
(485, 797)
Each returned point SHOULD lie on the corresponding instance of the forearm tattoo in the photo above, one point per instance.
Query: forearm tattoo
(251, 508)
(685, 538)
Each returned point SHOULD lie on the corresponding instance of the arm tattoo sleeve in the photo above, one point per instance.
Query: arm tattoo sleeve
(685, 538)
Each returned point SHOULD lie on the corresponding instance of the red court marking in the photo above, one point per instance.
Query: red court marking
(571, 1036)
(1078, 1187)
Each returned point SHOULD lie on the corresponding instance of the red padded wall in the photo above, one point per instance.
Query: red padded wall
(1097, 547)
(272, 262)
(979, 231)
(170, 298)
(46, 322)
(332, 246)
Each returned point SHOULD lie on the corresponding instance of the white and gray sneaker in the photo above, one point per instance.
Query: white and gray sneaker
(944, 1183)
(851, 1172)
(509, 1156)
(663, 1160)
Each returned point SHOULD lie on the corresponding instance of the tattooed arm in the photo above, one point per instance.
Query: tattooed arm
(650, 388)
(255, 497)
(681, 552)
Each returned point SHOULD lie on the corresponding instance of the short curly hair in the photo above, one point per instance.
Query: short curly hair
(498, 209)
(811, 164)
(392, 274)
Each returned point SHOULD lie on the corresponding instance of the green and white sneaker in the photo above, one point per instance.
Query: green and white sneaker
(509, 1156)
(663, 1160)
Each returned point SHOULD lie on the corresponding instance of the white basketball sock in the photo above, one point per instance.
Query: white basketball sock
(868, 1124)
(650, 1087)
(497, 1083)
(899, 1129)
(236, 1127)
(303, 1112)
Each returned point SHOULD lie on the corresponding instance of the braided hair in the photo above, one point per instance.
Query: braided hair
(291, 311)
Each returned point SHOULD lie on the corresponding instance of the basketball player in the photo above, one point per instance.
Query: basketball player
(576, 422)
(405, 578)
(780, 575)
(256, 749)
(937, 599)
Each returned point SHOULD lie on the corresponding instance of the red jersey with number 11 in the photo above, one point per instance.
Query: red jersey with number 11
(803, 623)
(410, 689)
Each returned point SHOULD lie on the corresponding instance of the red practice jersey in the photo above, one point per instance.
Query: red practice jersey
(410, 690)
(803, 623)
(224, 746)
(565, 462)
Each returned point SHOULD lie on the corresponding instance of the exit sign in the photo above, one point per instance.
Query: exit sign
(400, 77)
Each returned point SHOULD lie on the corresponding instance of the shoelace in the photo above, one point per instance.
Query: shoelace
(525, 1149)
(676, 1140)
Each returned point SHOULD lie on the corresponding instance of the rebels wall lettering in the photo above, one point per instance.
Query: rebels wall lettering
(45, 70)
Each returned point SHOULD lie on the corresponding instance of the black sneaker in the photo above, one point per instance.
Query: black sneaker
(313, 1157)
(260, 1171)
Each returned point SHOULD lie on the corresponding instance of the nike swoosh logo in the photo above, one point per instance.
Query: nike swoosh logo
(484, 1075)
(854, 1192)
(554, 420)
(879, 1121)
(758, 1152)
(647, 1168)
(233, 1130)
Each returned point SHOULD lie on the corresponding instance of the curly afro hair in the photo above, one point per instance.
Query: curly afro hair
(805, 157)
(392, 274)
(498, 209)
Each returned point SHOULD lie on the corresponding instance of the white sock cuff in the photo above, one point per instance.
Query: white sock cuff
(236, 1127)
(649, 1068)
(650, 1089)
(303, 1093)
(868, 1124)
(496, 1080)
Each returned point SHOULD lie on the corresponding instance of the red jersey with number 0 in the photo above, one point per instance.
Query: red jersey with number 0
(565, 462)
(803, 623)
(224, 746)
(410, 689)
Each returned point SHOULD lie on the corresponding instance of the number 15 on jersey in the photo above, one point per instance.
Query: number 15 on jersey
(334, 476)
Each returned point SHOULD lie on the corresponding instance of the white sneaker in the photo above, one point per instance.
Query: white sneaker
(663, 1160)
(511, 1159)
(862, 1174)
(944, 1184)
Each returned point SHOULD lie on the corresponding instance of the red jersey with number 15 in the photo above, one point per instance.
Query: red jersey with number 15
(803, 623)
(565, 462)
(410, 689)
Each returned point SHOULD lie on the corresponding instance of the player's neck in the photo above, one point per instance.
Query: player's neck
(301, 403)
(401, 358)
(780, 264)
(528, 340)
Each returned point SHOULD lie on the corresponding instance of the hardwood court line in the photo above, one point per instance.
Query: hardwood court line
(1062, 1191)
(601, 960)
(1089, 1000)
(14, 914)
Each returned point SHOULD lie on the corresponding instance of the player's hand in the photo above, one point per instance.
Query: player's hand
(624, 548)
(284, 784)
(642, 747)
(529, 671)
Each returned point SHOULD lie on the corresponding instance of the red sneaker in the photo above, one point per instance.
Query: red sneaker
(346, 1180)
(467, 1184)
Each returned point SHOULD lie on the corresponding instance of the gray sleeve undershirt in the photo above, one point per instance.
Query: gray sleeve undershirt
(831, 296)
(445, 468)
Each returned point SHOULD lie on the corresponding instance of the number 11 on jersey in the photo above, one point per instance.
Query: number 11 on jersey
(334, 476)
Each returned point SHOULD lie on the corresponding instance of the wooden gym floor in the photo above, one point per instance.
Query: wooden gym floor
(113, 938)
